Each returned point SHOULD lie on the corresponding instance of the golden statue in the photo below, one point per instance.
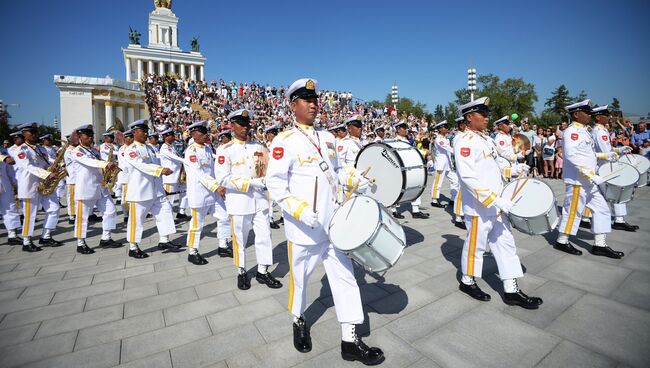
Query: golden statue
(163, 4)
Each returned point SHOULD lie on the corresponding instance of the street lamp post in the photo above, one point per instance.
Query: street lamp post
(471, 82)
(394, 95)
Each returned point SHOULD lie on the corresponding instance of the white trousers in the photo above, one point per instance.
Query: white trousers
(71, 204)
(196, 226)
(8, 210)
(125, 205)
(303, 259)
(161, 211)
(60, 189)
(51, 207)
(493, 232)
(223, 220)
(458, 204)
(117, 190)
(241, 226)
(172, 188)
(575, 200)
(85, 208)
(439, 178)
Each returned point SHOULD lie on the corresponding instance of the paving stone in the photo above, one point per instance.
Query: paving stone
(424, 363)
(463, 342)
(568, 354)
(8, 267)
(79, 321)
(68, 266)
(281, 353)
(28, 302)
(152, 278)
(256, 292)
(635, 290)
(11, 294)
(16, 335)
(557, 298)
(158, 360)
(613, 329)
(27, 272)
(42, 313)
(217, 348)
(29, 263)
(167, 338)
(188, 281)
(540, 260)
(587, 275)
(33, 351)
(274, 327)
(244, 314)
(91, 270)
(120, 296)
(404, 302)
(119, 329)
(122, 274)
(107, 355)
(86, 291)
(57, 286)
(198, 308)
(435, 266)
(29, 281)
(158, 302)
(639, 259)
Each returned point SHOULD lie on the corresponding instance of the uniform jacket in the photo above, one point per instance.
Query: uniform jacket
(88, 166)
(144, 173)
(32, 163)
(169, 158)
(199, 168)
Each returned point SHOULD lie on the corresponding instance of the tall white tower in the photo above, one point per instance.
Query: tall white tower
(163, 29)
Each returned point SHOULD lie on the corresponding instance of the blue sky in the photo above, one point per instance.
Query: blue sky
(361, 46)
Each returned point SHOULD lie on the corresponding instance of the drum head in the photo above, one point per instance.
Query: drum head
(385, 168)
(354, 223)
(534, 199)
(639, 162)
(502, 162)
(622, 174)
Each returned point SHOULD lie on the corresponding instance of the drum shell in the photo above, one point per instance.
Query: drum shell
(542, 223)
(614, 193)
(641, 164)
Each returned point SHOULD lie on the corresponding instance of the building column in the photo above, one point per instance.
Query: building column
(96, 115)
(201, 72)
(150, 69)
(174, 36)
(143, 112)
(128, 70)
(130, 114)
(172, 68)
(119, 111)
(161, 68)
(139, 70)
(192, 72)
(109, 113)
(182, 66)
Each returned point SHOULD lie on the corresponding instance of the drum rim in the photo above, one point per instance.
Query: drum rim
(401, 163)
(638, 173)
(554, 204)
(372, 235)
(636, 157)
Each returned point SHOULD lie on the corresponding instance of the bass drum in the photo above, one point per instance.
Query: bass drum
(396, 170)
(641, 164)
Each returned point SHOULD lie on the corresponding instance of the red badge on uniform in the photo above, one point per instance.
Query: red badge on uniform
(465, 151)
(193, 158)
(501, 143)
(79, 154)
(574, 136)
(21, 155)
(441, 143)
(278, 153)
(339, 148)
(604, 138)
(221, 160)
(132, 154)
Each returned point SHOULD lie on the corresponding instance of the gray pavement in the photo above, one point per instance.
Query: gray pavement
(62, 309)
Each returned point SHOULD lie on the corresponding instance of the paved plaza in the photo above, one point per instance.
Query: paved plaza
(62, 309)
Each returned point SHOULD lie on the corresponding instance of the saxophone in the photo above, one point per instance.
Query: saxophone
(47, 187)
(110, 175)
(182, 177)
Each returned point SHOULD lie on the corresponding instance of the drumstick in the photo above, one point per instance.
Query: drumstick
(516, 188)
(614, 172)
(520, 188)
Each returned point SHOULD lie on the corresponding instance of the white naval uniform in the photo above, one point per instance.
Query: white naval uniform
(503, 144)
(600, 135)
(458, 200)
(294, 167)
(481, 183)
(32, 164)
(89, 191)
(201, 187)
(70, 180)
(146, 193)
(415, 205)
(224, 231)
(580, 165)
(442, 166)
(169, 158)
(347, 150)
(123, 177)
(8, 209)
(247, 206)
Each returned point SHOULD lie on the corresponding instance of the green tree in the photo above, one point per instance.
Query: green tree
(4, 123)
(558, 101)
(438, 113)
(581, 96)
(547, 118)
(407, 106)
(615, 105)
(451, 112)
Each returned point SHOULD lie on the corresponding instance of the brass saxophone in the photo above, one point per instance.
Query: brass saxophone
(110, 175)
(182, 177)
(47, 187)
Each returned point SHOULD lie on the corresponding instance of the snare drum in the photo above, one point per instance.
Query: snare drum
(534, 211)
(641, 164)
(621, 180)
(366, 232)
(397, 168)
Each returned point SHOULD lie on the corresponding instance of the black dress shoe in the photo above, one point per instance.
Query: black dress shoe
(474, 291)
(606, 252)
(420, 215)
(438, 204)
(85, 249)
(224, 252)
(522, 300)
(14, 241)
(94, 218)
(567, 248)
(137, 253)
(624, 226)
(358, 350)
(126, 220)
(268, 279)
(301, 336)
(182, 217)
(49, 242)
(71, 221)
(61, 205)
(280, 221)
(197, 259)
(585, 224)
(110, 243)
(460, 224)
(243, 283)
(31, 248)
(274, 225)
(170, 247)
(149, 215)
(398, 215)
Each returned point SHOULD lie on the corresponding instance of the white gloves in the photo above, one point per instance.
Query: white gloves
(625, 150)
(611, 156)
(597, 180)
(523, 169)
(257, 183)
(503, 204)
(309, 218)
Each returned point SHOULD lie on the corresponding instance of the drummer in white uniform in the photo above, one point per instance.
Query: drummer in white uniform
(269, 135)
(458, 201)
(600, 135)
(580, 165)
(442, 165)
(380, 131)
(123, 176)
(302, 177)
(503, 141)
(348, 148)
(400, 134)
(486, 220)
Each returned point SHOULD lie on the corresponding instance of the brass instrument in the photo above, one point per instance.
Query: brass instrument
(182, 177)
(48, 186)
(110, 175)
(261, 159)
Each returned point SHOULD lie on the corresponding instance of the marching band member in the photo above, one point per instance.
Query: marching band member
(458, 200)
(485, 209)
(146, 193)
(339, 132)
(400, 134)
(580, 165)
(381, 133)
(51, 149)
(123, 176)
(73, 141)
(247, 203)
(224, 233)
(600, 135)
(32, 164)
(503, 141)
(269, 134)
(105, 148)
(349, 147)
(88, 165)
(8, 209)
(152, 140)
(169, 158)
(303, 170)
(442, 165)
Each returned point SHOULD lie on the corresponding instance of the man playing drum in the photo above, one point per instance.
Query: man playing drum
(401, 131)
(485, 209)
(580, 164)
(302, 177)
(442, 165)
